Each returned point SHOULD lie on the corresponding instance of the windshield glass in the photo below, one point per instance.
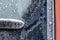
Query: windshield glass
(13, 9)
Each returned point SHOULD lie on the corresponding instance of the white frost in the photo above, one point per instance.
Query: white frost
(22, 6)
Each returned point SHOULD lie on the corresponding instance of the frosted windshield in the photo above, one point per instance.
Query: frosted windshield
(13, 9)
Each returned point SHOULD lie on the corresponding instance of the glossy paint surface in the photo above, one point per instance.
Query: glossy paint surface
(57, 11)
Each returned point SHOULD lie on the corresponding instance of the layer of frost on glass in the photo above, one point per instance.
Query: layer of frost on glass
(13, 8)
